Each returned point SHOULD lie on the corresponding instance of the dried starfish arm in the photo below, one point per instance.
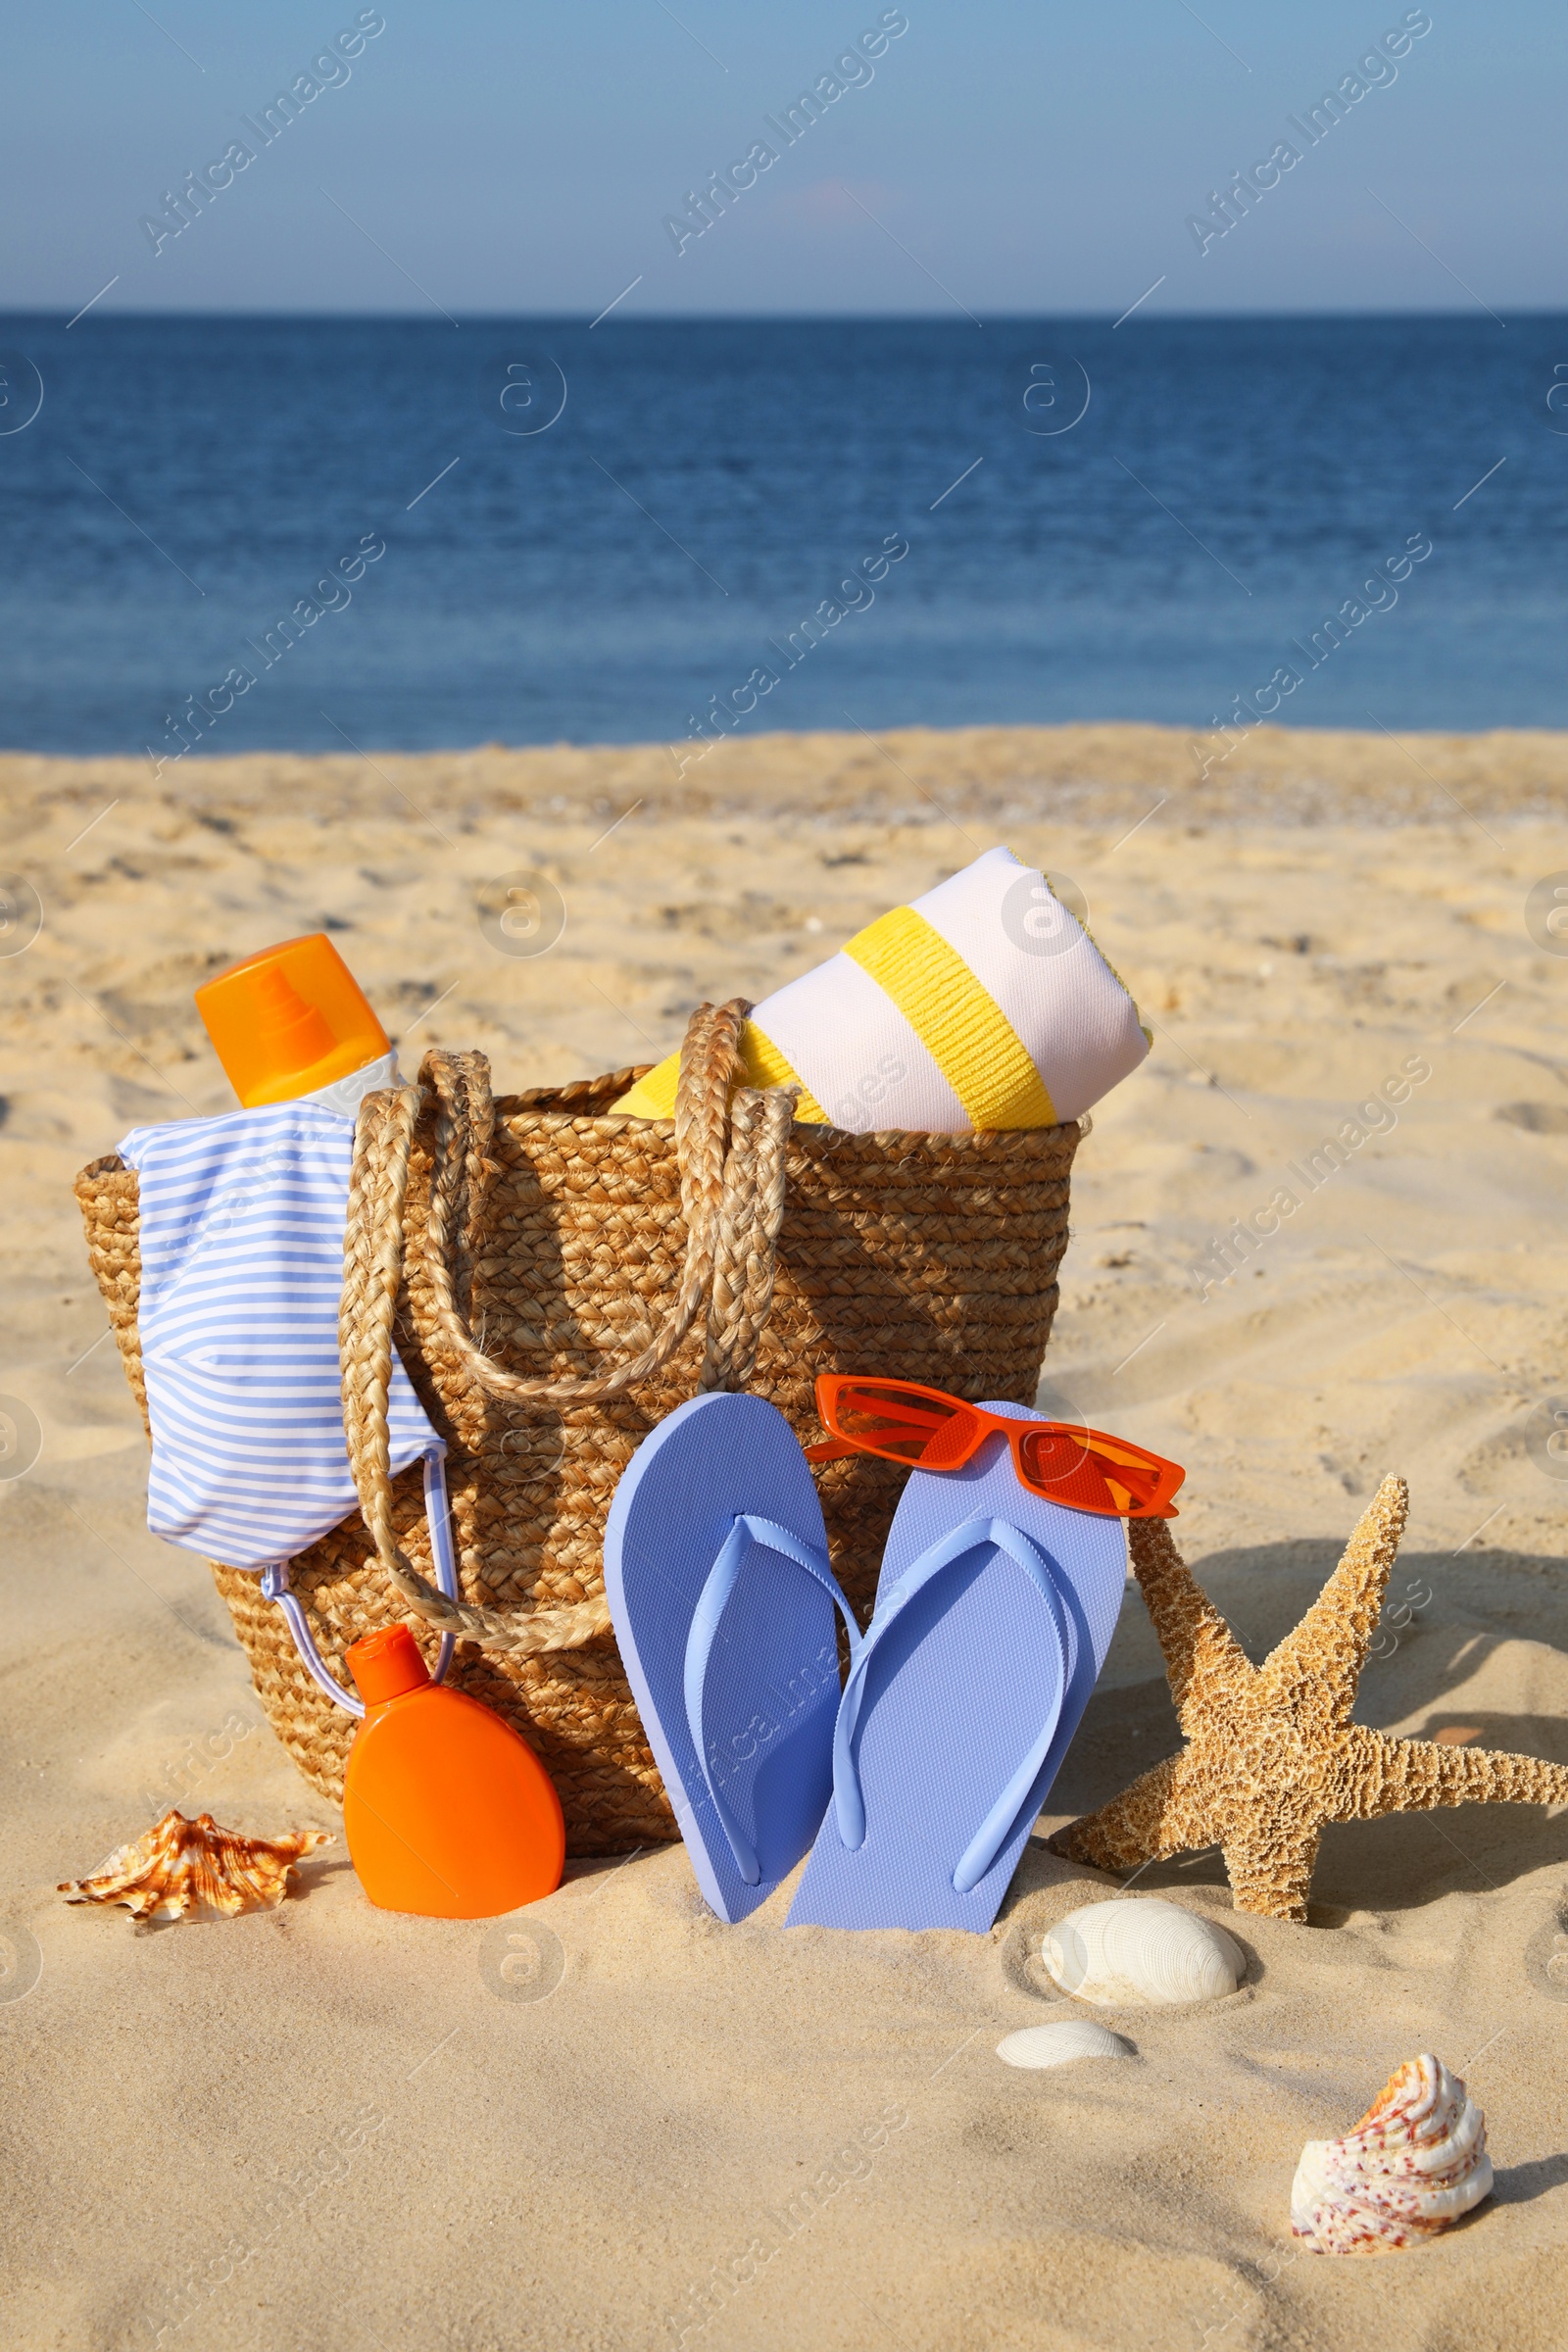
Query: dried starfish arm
(1316, 1667)
(1155, 1817)
(1202, 1656)
(1270, 1869)
(1379, 1774)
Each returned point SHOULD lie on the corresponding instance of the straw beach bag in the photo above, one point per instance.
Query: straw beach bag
(556, 1279)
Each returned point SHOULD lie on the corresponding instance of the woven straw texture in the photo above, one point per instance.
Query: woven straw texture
(556, 1281)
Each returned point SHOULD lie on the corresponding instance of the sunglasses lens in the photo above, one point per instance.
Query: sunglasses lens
(912, 1429)
(1054, 1455)
(1068, 1466)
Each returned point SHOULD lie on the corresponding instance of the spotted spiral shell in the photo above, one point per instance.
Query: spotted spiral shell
(1415, 2162)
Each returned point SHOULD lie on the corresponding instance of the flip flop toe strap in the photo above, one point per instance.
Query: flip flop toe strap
(849, 1800)
(749, 1527)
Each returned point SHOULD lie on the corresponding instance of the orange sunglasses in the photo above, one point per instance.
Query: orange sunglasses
(925, 1428)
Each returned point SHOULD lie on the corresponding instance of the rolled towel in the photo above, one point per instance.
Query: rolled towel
(983, 1005)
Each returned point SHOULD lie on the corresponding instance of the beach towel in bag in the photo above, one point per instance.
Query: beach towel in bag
(241, 1233)
(982, 1005)
(555, 1279)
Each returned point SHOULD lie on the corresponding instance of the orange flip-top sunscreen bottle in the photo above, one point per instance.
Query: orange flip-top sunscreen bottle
(446, 1811)
(289, 1020)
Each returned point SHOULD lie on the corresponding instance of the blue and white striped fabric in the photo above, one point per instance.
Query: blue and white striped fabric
(242, 1223)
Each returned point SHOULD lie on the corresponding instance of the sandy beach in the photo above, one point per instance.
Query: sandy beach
(330, 2126)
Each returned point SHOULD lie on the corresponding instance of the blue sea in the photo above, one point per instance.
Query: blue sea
(589, 534)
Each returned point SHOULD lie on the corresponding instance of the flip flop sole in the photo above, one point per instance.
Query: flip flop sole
(955, 1694)
(769, 1693)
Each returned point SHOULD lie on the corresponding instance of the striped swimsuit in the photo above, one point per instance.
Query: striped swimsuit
(242, 1223)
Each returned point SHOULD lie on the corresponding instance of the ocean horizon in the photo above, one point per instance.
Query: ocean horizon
(228, 533)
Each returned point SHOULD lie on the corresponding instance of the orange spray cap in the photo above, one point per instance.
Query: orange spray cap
(289, 1020)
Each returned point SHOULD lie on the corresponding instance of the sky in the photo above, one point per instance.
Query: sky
(998, 157)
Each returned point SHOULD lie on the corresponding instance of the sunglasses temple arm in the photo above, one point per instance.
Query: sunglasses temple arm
(831, 1450)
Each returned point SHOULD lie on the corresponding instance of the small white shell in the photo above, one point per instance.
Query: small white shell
(1415, 2162)
(1142, 1954)
(1058, 2046)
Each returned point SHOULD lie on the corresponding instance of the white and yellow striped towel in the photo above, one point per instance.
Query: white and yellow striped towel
(984, 1005)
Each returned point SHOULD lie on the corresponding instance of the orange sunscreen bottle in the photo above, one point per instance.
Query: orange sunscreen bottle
(289, 1020)
(446, 1812)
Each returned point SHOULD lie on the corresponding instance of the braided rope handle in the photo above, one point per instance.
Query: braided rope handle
(732, 1165)
(751, 1215)
(464, 1124)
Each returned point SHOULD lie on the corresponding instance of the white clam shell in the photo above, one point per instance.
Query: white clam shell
(1415, 2162)
(1142, 1954)
(1058, 2046)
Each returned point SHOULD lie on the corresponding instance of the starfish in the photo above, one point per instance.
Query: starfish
(1271, 1752)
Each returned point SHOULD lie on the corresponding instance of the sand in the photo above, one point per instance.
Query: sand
(329, 2126)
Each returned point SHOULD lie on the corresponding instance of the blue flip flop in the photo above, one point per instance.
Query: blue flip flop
(724, 1608)
(993, 1614)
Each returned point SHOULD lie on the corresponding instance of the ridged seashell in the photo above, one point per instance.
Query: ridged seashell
(1142, 1954)
(179, 1865)
(1415, 2162)
(1058, 2046)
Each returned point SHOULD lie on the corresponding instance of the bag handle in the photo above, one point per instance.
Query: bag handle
(464, 1123)
(733, 1176)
